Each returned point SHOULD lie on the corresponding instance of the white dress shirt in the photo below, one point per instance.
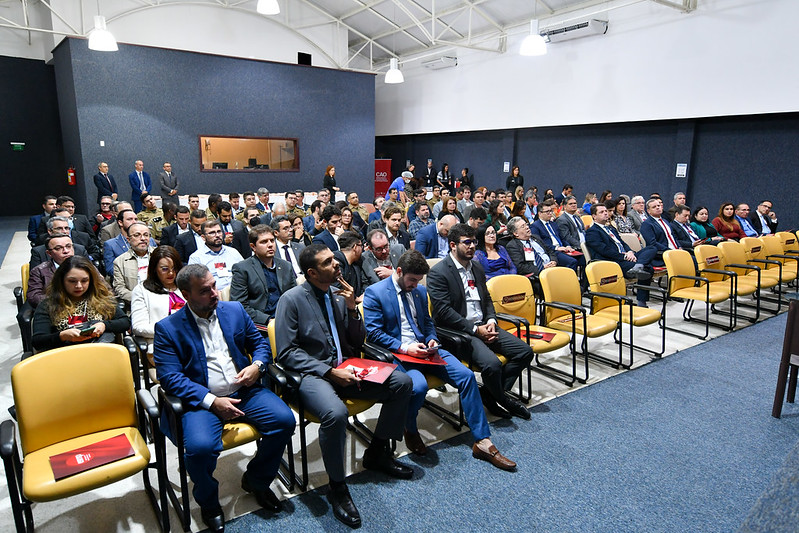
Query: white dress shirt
(221, 369)
(218, 263)
(474, 312)
(408, 337)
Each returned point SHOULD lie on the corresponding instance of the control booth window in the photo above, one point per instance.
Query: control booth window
(248, 154)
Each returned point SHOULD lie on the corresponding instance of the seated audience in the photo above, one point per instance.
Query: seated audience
(590, 199)
(286, 248)
(48, 205)
(392, 217)
(191, 241)
(439, 205)
(117, 246)
(656, 230)
(421, 218)
(496, 217)
(103, 215)
(58, 248)
(620, 219)
(59, 226)
(477, 217)
(131, 267)
(313, 223)
(349, 259)
(478, 201)
(377, 214)
(259, 281)
(465, 202)
(380, 260)
(492, 257)
(356, 207)
(548, 232)
(397, 318)
(110, 228)
(215, 256)
(331, 220)
(79, 307)
(570, 225)
(169, 235)
(726, 224)
(679, 200)
(157, 296)
(637, 214)
(686, 237)
(529, 253)
(764, 220)
(152, 216)
(742, 217)
(431, 241)
(702, 226)
(460, 301)
(299, 234)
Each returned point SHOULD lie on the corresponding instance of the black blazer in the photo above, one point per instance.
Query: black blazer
(524, 267)
(403, 238)
(79, 222)
(249, 286)
(186, 246)
(241, 242)
(683, 239)
(446, 291)
(169, 235)
(754, 218)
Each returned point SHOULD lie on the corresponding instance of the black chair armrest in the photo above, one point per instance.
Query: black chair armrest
(133, 354)
(617, 297)
(717, 271)
(293, 379)
(513, 319)
(377, 353)
(452, 335)
(141, 343)
(739, 265)
(170, 404)
(147, 401)
(572, 308)
(8, 439)
(18, 297)
(766, 261)
(277, 375)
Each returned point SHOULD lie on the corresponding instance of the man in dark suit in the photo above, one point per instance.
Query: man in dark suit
(683, 232)
(457, 287)
(169, 184)
(105, 183)
(331, 217)
(392, 217)
(572, 229)
(315, 331)
(763, 219)
(656, 230)
(59, 226)
(48, 205)
(605, 244)
(380, 260)
(259, 281)
(77, 221)
(528, 252)
(241, 236)
(408, 329)
(566, 191)
(546, 229)
(139, 183)
(201, 355)
(169, 235)
(287, 248)
(431, 241)
(188, 242)
(349, 260)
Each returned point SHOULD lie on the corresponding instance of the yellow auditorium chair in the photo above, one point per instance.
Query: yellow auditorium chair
(756, 254)
(790, 245)
(711, 262)
(515, 306)
(685, 284)
(775, 251)
(289, 384)
(735, 259)
(587, 220)
(565, 312)
(608, 291)
(61, 409)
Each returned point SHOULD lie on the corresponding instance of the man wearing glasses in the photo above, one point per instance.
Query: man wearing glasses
(764, 220)
(457, 288)
(58, 248)
(130, 268)
(380, 260)
(218, 258)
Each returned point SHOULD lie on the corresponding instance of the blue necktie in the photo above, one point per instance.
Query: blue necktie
(551, 232)
(539, 263)
(406, 306)
(331, 320)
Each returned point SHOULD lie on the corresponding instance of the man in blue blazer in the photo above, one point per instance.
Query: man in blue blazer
(105, 183)
(431, 241)
(548, 231)
(407, 328)
(201, 357)
(332, 217)
(48, 205)
(656, 230)
(139, 183)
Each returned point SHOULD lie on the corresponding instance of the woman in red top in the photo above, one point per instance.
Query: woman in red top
(726, 224)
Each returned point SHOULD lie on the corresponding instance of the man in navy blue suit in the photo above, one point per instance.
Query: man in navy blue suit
(33, 223)
(139, 184)
(407, 328)
(432, 241)
(656, 230)
(331, 215)
(201, 357)
(105, 183)
(547, 230)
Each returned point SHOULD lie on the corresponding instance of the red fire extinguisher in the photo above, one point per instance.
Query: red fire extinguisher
(71, 176)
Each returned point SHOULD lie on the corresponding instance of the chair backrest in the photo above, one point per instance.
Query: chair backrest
(679, 263)
(734, 252)
(68, 392)
(605, 276)
(586, 252)
(708, 256)
(513, 294)
(773, 246)
(560, 284)
(224, 294)
(632, 241)
(25, 272)
(370, 208)
(587, 220)
(788, 240)
(754, 248)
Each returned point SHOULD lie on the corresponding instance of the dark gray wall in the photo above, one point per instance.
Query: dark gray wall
(152, 104)
(30, 115)
(737, 159)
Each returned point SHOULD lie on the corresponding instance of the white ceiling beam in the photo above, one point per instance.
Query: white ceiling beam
(686, 6)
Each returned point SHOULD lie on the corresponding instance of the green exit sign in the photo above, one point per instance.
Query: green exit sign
(17, 147)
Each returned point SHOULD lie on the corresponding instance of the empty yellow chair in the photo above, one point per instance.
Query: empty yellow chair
(514, 304)
(736, 260)
(609, 299)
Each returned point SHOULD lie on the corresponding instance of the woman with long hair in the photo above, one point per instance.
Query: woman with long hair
(726, 224)
(496, 217)
(518, 194)
(450, 207)
(606, 195)
(79, 307)
(590, 199)
(619, 216)
(492, 256)
(702, 226)
(157, 296)
(300, 235)
(329, 182)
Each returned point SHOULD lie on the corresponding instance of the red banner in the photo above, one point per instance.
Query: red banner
(382, 176)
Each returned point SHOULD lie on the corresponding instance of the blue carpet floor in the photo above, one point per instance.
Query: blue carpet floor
(8, 226)
(684, 444)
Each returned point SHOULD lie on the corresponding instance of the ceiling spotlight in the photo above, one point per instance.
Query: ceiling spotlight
(268, 7)
(394, 74)
(100, 39)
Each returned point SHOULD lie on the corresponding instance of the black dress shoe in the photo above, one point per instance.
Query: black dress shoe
(493, 407)
(265, 498)
(382, 459)
(213, 518)
(343, 508)
(515, 407)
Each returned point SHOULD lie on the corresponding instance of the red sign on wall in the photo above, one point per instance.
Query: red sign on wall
(382, 176)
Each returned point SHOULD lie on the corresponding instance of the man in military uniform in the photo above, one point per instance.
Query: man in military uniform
(291, 205)
(152, 216)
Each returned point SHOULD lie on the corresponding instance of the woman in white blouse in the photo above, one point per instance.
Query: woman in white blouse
(157, 296)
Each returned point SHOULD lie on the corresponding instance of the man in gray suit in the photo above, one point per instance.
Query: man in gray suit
(169, 184)
(316, 330)
(637, 212)
(286, 248)
(259, 281)
(380, 260)
(570, 225)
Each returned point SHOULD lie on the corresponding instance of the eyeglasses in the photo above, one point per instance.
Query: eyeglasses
(544, 211)
(105, 204)
(140, 235)
(468, 242)
(61, 248)
(214, 232)
(380, 248)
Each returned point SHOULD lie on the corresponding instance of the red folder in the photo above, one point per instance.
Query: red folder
(433, 359)
(574, 253)
(545, 336)
(369, 370)
(91, 456)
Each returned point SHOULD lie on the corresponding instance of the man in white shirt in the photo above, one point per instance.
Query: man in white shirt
(287, 248)
(217, 258)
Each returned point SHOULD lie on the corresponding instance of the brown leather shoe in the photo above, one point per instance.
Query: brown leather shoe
(414, 443)
(494, 457)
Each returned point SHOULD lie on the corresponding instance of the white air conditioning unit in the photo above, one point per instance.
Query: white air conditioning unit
(440, 62)
(576, 30)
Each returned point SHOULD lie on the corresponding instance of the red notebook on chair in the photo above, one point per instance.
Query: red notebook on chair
(368, 369)
(433, 359)
(91, 456)
(544, 336)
